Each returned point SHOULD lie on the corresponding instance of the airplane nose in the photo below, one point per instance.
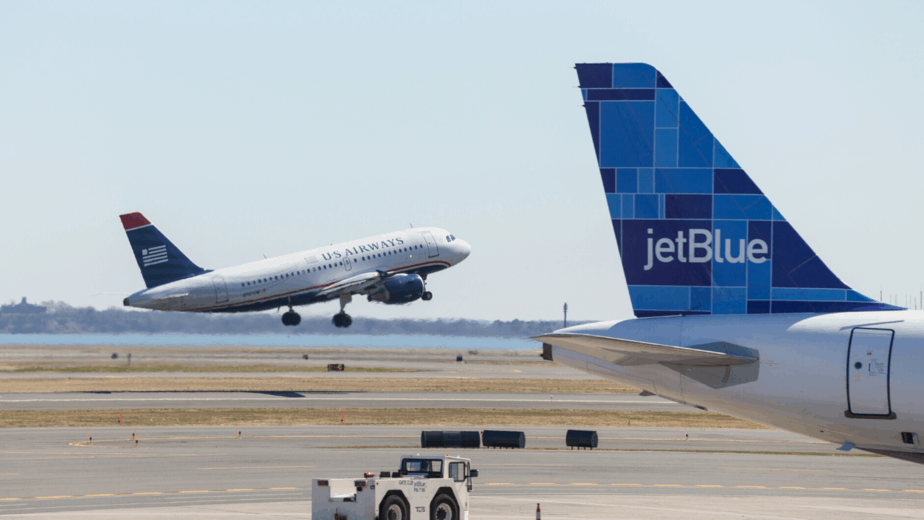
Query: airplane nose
(464, 248)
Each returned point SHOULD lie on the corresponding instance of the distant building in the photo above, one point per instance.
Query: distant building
(22, 307)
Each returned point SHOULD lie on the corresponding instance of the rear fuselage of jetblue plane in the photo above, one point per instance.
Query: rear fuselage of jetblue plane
(735, 311)
(390, 268)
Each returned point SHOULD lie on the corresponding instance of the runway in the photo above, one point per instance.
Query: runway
(199, 400)
(209, 472)
(423, 363)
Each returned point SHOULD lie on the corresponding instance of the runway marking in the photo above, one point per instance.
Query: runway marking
(7, 474)
(307, 399)
(562, 465)
(258, 467)
(673, 439)
(246, 490)
(83, 444)
(781, 469)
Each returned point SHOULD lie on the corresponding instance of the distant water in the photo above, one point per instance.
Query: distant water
(269, 340)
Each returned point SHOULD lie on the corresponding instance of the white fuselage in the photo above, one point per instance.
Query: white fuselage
(294, 279)
(801, 382)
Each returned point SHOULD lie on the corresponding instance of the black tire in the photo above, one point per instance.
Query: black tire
(336, 321)
(444, 507)
(296, 319)
(393, 508)
(427, 296)
(285, 319)
(346, 320)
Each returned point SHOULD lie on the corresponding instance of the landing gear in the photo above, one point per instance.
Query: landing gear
(291, 318)
(426, 296)
(343, 320)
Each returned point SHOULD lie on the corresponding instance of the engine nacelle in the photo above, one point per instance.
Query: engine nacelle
(401, 288)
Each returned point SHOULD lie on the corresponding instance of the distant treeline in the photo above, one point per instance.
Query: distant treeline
(64, 319)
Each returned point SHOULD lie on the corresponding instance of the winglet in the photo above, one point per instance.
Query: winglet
(134, 220)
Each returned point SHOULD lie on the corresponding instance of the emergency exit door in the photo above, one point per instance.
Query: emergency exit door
(221, 290)
(868, 360)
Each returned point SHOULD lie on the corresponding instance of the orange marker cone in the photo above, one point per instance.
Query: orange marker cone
(538, 512)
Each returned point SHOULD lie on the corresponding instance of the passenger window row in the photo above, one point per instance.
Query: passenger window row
(324, 267)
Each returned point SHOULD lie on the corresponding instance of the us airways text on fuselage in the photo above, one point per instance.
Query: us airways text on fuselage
(367, 248)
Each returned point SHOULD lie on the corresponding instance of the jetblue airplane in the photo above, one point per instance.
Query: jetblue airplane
(390, 268)
(735, 311)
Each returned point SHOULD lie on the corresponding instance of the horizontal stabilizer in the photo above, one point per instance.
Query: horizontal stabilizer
(633, 353)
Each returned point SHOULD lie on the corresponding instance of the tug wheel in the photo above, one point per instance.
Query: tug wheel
(444, 508)
(393, 508)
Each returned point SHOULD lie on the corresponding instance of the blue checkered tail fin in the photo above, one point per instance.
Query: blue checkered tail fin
(159, 260)
(695, 233)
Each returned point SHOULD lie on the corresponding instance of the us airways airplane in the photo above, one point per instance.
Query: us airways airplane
(390, 268)
(734, 310)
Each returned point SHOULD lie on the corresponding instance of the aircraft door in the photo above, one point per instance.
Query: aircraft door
(347, 264)
(432, 247)
(868, 359)
(221, 290)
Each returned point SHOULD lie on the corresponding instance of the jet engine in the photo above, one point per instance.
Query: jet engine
(401, 288)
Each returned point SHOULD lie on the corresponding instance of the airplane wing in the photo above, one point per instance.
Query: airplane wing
(354, 284)
(633, 353)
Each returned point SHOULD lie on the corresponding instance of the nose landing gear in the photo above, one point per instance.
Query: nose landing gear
(427, 296)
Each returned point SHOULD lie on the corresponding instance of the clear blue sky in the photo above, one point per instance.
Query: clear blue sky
(244, 129)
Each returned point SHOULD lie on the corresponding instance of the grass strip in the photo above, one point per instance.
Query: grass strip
(313, 384)
(369, 416)
(110, 368)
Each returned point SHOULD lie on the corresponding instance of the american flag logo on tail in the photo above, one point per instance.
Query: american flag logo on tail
(154, 255)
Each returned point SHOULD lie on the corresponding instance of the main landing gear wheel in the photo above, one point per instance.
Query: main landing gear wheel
(291, 319)
(427, 296)
(342, 320)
